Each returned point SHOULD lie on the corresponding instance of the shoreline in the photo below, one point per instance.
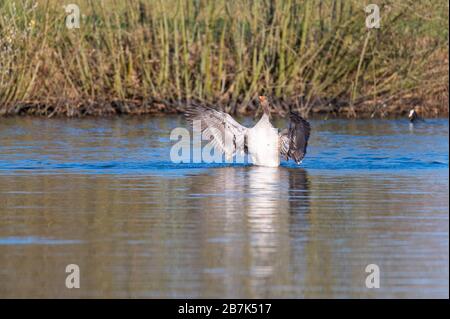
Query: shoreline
(153, 107)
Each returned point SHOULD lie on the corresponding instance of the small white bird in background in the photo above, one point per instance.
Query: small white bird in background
(262, 142)
(414, 117)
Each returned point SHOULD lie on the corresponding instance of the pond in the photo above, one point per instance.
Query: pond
(104, 195)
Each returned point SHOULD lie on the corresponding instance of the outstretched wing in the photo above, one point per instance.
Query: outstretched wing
(294, 140)
(227, 134)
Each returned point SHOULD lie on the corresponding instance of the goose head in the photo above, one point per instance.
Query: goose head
(264, 104)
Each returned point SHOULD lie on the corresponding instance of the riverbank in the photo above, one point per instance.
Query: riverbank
(155, 57)
(428, 103)
(370, 109)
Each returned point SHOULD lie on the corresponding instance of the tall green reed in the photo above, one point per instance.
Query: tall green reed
(304, 54)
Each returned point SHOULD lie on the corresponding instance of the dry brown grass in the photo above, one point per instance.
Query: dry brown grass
(152, 56)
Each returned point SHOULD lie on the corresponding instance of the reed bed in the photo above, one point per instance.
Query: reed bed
(152, 56)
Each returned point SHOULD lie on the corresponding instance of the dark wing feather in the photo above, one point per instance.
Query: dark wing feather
(228, 135)
(294, 140)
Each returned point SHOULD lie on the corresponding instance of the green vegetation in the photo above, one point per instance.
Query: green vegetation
(147, 56)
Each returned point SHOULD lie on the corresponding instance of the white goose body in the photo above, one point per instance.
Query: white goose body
(263, 143)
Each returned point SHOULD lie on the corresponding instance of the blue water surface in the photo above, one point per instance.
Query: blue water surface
(132, 146)
(103, 194)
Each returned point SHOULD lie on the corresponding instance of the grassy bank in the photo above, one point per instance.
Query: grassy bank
(150, 56)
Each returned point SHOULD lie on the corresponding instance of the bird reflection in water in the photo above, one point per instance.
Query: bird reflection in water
(254, 224)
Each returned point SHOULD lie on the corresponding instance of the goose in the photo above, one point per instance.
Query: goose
(262, 142)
